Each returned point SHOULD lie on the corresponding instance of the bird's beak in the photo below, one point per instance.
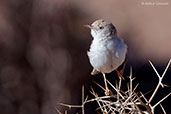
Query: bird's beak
(89, 26)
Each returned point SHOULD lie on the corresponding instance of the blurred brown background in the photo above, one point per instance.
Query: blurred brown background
(43, 47)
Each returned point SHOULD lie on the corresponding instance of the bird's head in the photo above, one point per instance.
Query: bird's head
(102, 28)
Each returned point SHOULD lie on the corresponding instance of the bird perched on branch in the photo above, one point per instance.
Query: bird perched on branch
(107, 51)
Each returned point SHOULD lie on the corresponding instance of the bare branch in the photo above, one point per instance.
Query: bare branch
(161, 100)
(160, 79)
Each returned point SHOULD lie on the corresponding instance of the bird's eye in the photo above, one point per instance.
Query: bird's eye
(101, 27)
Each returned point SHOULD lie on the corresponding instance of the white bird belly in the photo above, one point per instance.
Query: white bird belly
(106, 59)
(101, 61)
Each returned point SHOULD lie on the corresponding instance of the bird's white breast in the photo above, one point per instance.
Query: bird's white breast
(107, 54)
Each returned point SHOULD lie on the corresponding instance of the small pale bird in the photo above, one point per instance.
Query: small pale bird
(107, 51)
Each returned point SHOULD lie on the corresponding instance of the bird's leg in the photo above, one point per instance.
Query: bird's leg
(121, 72)
(123, 68)
(107, 92)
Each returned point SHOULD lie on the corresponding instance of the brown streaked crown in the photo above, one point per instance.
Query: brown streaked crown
(105, 23)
